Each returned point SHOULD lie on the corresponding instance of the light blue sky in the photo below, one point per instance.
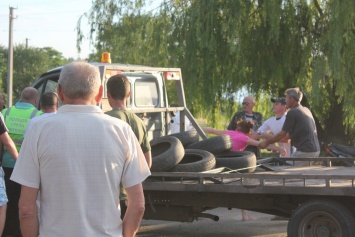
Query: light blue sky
(46, 23)
(49, 23)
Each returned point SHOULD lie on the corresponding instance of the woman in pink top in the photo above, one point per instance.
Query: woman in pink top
(240, 141)
(240, 137)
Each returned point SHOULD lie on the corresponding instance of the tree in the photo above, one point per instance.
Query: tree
(28, 64)
(223, 46)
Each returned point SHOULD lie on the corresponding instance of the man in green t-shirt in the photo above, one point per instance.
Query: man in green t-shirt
(118, 91)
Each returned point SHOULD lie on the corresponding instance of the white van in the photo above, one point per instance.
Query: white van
(149, 98)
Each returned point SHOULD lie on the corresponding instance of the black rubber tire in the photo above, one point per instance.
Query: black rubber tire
(187, 138)
(321, 218)
(166, 153)
(237, 160)
(195, 161)
(215, 145)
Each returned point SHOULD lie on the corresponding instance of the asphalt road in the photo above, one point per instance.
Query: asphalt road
(229, 225)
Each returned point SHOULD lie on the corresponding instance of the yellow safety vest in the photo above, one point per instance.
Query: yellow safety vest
(16, 121)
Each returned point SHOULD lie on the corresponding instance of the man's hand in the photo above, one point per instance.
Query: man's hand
(263, 144)
(254, 136)
(283, 151)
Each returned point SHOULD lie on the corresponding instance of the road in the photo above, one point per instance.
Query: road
(229, 225)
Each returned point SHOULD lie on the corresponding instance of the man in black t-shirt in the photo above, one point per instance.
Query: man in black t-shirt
(299, 126)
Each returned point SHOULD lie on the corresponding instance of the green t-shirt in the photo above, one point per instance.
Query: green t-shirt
(136, 124)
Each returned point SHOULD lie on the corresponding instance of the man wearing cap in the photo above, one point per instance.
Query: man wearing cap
(248, 114)
(299, 126)
(274, 124)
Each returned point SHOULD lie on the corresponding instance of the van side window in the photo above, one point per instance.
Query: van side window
(51, 86)
(146, 93)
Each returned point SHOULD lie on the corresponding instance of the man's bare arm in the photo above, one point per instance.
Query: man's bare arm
(28, 212)
(135, 210)
(272, 139)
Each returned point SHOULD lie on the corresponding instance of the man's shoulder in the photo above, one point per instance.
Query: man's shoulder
(239, 114)
(270, 120)
(118, 113)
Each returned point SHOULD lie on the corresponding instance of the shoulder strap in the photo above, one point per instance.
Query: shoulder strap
(33, 114)
(7, 112)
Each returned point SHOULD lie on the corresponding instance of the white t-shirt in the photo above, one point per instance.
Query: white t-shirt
(77, 159)
(38, 118)
(275, 126)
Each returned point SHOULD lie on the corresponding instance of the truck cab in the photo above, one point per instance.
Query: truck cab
(149, 97)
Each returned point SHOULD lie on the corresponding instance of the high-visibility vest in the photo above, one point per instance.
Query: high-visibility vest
(16, 121)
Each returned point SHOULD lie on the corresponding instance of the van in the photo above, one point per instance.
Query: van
(149, 98)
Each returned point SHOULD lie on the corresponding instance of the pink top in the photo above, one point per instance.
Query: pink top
(239, 140)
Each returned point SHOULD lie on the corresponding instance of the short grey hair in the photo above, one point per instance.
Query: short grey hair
(79, 80)
(294, 93)
(28, 94)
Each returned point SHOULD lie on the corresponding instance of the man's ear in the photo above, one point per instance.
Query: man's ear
(108, 94)
(98, 97)
(128, 94)
(60, 93)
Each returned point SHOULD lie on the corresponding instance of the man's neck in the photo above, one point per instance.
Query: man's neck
(280, 114)
(118, 104)
(49, 110)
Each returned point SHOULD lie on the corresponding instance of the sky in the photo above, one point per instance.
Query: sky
(45, 23)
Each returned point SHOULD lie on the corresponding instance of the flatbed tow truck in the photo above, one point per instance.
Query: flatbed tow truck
(319, 200)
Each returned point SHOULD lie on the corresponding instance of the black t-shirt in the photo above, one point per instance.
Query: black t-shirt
(300, 125)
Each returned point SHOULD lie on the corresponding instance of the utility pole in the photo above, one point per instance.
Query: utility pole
(26, 43)
(10, 59)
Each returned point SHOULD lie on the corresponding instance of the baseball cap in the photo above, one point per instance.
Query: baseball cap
(281, 100)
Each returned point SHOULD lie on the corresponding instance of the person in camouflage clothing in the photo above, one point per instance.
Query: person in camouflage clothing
(248, 114)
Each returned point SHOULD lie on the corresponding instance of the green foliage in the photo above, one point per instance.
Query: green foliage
(223, 46)
(28, 64)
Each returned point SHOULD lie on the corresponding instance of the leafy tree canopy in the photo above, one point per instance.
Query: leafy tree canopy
(28, 64)
(225, 45)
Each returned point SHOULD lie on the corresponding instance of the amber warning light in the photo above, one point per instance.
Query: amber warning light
(105, 57)
(172, 76)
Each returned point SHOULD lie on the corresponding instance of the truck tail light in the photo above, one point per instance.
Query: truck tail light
(172, 76)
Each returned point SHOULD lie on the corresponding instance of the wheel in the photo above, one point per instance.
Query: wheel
(321, 218)
(215, 145)
(187, 138)
(195, 161)
(166, 153)
(237, 160)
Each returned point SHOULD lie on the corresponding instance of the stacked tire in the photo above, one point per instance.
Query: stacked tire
(186, 152)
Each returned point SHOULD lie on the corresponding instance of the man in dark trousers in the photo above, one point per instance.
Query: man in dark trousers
(118, 91)
(300, 127)
(16, 118)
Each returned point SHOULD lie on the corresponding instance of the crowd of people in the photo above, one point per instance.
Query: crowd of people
(79, 158)
(79, 172)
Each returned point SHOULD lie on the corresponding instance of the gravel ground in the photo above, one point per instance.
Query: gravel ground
(229, 225)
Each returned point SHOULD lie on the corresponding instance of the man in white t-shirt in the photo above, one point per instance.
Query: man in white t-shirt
(274, 124)
(77, 160)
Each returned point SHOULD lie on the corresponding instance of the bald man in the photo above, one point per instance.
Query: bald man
(16, 120)
(248, 114)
